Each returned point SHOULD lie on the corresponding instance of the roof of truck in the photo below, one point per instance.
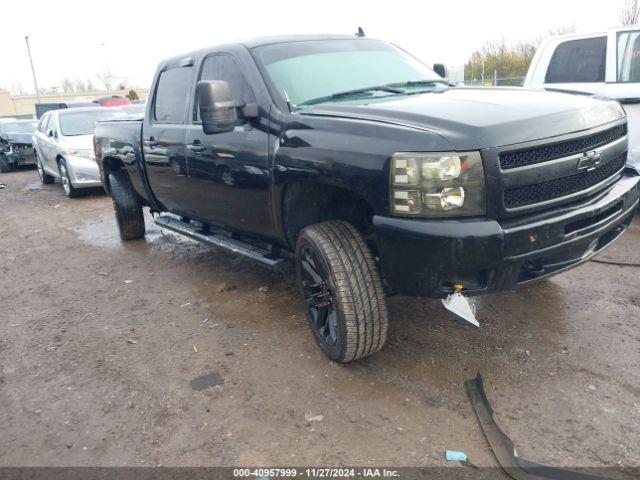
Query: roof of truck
(260, 41)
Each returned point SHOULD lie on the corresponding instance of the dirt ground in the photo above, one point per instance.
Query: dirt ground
(100, 342)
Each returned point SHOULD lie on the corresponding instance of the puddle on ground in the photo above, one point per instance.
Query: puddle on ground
(37, 185)
(102, 232)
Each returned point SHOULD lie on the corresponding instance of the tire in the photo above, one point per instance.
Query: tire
(45, 178)
(341, 289)
(5, 166)
(69, 190)
(127, 206)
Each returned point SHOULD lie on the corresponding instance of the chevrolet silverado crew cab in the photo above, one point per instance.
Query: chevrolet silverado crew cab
(357, 164)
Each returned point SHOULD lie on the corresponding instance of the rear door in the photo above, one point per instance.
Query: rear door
(229, 172)
(42, 139)
(163, 136)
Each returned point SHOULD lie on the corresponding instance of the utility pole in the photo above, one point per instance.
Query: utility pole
(33, 71)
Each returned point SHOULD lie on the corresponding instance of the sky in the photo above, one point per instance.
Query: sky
(79, 39)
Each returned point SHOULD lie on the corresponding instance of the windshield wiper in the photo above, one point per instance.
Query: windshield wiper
(412, 83)
(346, 93)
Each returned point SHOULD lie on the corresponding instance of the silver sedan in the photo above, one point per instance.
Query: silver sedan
(63, 147)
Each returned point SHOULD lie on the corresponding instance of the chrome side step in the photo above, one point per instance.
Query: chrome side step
(239, 247)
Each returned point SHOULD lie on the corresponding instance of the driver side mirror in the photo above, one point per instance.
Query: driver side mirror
(440, 69)
(217, 108)
(50, 134)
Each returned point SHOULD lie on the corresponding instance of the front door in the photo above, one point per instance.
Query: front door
(163, 138)
(229, 172)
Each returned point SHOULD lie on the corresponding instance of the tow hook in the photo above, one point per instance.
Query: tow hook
(460, 306)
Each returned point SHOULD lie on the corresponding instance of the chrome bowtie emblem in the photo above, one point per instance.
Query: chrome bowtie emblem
(589, 161)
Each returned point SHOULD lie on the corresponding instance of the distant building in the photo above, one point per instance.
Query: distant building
(24, 105)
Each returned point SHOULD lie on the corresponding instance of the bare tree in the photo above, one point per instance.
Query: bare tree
(67, 85)
(89, 85)
(80, 86)
(107, 78)
(629, 12)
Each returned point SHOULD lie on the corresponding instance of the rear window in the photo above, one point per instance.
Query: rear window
(171, 95)
(578, 61)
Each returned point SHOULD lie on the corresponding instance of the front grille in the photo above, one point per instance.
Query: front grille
(561, 187)
(532, 156)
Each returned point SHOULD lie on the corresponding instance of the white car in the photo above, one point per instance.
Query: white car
(63, 147)
(605, 63)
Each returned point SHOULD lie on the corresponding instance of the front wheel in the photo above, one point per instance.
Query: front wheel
(341, 291)
(127, 206)
(5, 166)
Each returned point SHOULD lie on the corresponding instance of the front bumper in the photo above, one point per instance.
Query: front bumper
(21, 157)
(427, 257)
(84, 172)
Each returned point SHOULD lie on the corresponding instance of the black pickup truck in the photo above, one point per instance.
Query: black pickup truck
(357, 164)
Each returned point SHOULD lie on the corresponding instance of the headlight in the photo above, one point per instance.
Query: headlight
(443, 184)
(81, 153)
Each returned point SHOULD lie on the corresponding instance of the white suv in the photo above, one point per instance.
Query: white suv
(63, 147)
(605, 64)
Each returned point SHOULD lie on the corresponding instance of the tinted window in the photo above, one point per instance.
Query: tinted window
(171, 95)
(629, 56)
(578, 61)
(225, 67)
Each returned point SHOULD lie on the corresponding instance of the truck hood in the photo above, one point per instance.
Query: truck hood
(17, 138)
(474, 118)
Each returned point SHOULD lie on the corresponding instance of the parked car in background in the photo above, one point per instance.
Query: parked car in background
(42, 108)
(606, 64)
(362, 167)
(63, 147)
(16, 144)
(113, 101)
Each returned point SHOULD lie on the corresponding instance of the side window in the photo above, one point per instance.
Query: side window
(578, 61)
(629, 56)
(171, 95)
(225, 67)
(43, 124)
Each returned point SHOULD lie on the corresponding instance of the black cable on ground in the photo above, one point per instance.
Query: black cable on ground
(619, 264)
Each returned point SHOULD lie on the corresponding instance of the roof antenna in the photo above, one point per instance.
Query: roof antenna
(360, 32)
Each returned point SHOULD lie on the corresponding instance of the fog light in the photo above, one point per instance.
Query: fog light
(446, 199)
(407, 201)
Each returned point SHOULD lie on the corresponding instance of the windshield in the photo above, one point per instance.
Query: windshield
(629, 56)
(303, 71)
(83, 123)
(20, 127)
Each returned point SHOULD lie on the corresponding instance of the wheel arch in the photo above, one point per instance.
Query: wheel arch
(305, 202)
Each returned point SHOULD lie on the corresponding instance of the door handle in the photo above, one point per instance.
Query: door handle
(151, 142)
(196, 147)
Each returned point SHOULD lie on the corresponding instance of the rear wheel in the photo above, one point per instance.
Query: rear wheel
(69, 190)
(341, 291)
(45, 178)
(5, 166)
(126, 205)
